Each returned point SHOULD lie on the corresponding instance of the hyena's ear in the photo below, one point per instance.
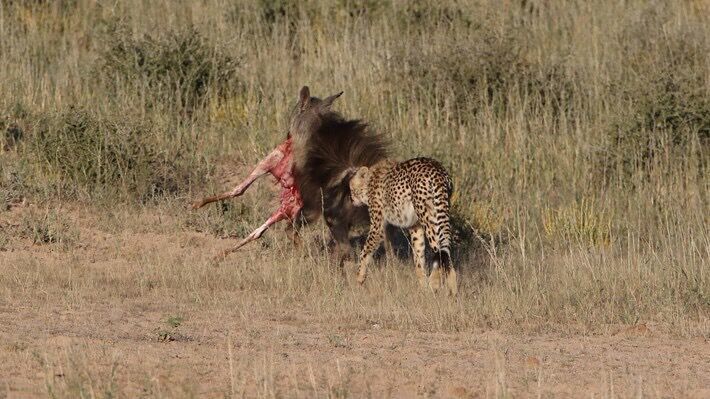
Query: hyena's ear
(329, 101)
(304, 97)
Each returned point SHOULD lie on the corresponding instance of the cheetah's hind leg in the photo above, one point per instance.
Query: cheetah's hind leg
(451, 280)
(444, 271)
(435, 278)
(418, 251)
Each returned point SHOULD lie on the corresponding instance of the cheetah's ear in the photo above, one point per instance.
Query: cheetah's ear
(304, 97)
(329, 101)
(344, 176)
(363, 172)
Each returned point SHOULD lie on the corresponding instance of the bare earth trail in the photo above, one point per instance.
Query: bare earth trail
(91, 319)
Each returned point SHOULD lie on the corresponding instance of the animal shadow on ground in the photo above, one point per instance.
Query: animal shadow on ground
(470, 249)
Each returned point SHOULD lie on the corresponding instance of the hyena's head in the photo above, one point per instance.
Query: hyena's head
(309, 113)
(358, 186)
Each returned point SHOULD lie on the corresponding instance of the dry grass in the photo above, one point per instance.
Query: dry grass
(577, 134)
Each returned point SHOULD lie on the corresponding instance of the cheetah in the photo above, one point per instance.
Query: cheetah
(414, 194)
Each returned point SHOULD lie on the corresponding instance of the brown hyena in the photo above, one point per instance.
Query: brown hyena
(310, 165)
(326, 146)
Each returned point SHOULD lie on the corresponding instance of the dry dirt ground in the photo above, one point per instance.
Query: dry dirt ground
(111, 315)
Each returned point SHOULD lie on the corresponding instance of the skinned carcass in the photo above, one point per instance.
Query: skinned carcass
(278, 163)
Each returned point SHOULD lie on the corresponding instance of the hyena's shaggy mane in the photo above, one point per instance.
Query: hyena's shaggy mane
(334, 147)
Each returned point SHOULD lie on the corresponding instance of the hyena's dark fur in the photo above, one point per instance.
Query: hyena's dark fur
(326, 146)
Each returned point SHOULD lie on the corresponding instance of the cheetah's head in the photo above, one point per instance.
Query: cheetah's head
(358, 186)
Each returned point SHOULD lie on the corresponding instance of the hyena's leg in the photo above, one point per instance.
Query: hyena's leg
(374, 239)
(339, 225)
(343, 248)
(418, 250)
(291, 231)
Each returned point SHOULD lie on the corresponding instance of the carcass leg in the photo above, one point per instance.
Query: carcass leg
(256, 234)
(262, 168)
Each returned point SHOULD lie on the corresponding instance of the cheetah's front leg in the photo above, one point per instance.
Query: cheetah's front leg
(374, 239)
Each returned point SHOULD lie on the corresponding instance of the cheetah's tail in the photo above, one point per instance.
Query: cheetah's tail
(442, 223)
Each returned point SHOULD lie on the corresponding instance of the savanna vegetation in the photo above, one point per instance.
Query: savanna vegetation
(577, 134)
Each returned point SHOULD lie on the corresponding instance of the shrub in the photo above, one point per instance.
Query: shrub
(487, 70)
(274, 10)
(112, 154)
(420, 14)
(666, 106)
(12, 126)
(11, 188)
(180, 68)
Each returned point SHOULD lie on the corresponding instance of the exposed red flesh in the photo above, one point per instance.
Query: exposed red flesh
(278, 163)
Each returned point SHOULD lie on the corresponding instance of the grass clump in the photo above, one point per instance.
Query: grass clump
(419, 13)
(582, 223)
(170, 332)
(49, 227)
(76, 375)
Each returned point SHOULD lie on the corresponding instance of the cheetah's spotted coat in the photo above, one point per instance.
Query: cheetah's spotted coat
(413, 194)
